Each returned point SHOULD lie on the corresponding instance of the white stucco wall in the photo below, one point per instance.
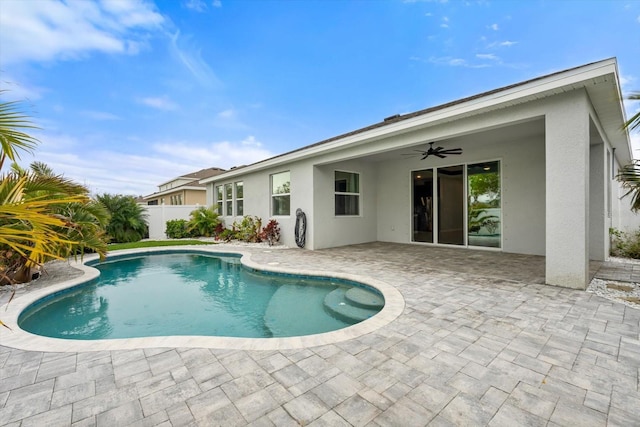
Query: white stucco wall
(567, 217)
(598, 216)
(257, 199)
(332, 230)
(158, 215)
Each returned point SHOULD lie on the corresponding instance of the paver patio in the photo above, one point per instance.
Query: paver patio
(480, 342)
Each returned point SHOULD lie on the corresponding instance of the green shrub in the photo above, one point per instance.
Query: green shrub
(204, 222)
(625, 245)
(248, 230)
(128, 221)
(227, 234)
(177, 229)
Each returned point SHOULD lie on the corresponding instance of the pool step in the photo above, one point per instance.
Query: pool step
(292, 310)
(348, 306)
(364, 299)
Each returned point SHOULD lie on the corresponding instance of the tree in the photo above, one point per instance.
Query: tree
(203, 221)
(634, 122)
(85, 221)
(128, 221)
(33, 225)
(629, 175)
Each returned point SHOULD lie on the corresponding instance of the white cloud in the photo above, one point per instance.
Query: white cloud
(197, 5)
(490, 56)
(191, 58)
(113, 171)
(100, 115)
(159, 103)
(227, 114)
(56, 30)
(224, 154)
(494, 27)
(13, 90)
(445, 22)
(506, 43)
(216, 3)
(453, 62)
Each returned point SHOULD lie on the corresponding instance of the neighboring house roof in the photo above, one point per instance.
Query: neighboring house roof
(198, 175)
(193, 184)
(600, 79)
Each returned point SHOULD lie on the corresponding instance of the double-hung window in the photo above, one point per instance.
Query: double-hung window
(228, 199)
(281, 194)
(239, 198)
(347, 193)
(219, 198)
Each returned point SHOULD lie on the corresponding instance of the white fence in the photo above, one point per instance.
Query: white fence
(158, 215)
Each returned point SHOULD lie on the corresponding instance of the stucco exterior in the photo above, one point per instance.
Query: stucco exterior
(557, 141)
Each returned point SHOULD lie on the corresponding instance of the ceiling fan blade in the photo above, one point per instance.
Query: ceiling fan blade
(427, 154)
(452, 151)
(439, 155)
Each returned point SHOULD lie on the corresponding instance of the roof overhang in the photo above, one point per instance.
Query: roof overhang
(173, 190)
(599, 79)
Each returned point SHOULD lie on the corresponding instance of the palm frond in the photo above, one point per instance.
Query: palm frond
(12, 139)
(634, 122)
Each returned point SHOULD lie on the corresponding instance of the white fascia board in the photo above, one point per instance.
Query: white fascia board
(536, 89)
(172, 190)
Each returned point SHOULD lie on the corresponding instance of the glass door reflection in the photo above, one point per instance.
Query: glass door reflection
(422, 206)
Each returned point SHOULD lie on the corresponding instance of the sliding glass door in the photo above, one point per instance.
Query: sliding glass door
(423, 206)
(466, 208)
(451, 205)
(485, 207)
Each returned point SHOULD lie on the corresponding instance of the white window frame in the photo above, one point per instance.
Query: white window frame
(273, 196)
(344, 193)
(228, 201)
(219, 194)
(238, 199)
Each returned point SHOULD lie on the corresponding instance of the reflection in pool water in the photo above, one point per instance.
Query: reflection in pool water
(196, 294)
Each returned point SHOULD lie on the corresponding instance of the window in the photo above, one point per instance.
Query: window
(280, 193)
(347, 193)
(219, 198)
(239, 198)
(228, 199)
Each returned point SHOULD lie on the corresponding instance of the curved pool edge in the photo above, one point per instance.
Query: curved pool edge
(20, 339)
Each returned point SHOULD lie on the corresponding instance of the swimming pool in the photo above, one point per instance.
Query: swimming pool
(189, 293)
(267, 260)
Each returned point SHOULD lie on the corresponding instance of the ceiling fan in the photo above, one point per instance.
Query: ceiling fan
(438, 152)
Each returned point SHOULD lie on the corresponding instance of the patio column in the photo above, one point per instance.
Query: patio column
(567, 191)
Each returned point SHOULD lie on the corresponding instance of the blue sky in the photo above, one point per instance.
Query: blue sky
(129, 94)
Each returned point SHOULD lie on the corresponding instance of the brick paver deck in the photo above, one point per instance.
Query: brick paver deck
(480, 342)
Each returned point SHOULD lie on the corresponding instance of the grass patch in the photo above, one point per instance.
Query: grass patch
(154, 243)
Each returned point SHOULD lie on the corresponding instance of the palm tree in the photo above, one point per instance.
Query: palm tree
(34, 221)
(634, 122)
(629, 175)
(128, 221)
(203, 221)
(86, 221)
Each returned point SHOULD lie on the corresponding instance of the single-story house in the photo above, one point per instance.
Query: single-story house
(183, 190)
(527, 168)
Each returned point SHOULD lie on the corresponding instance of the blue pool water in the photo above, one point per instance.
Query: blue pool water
(183, 293)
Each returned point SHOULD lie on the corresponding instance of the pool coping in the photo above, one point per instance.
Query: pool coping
(20, 339)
